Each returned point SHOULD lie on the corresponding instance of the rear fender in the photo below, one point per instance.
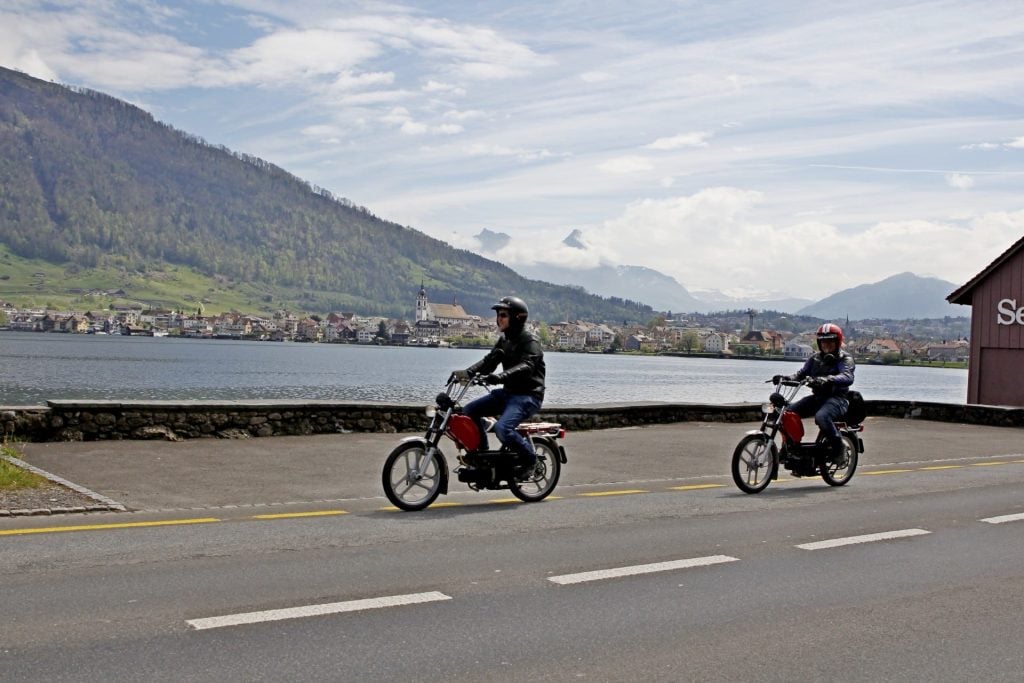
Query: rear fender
(553, 444)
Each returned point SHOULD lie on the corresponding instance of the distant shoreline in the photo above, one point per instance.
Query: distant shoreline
(952, 365)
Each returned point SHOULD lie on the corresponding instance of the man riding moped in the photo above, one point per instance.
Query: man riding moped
(830, 373)
(520, 354)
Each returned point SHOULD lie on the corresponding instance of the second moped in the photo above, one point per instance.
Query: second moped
(756, 460)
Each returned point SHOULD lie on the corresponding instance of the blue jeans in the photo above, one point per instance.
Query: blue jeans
(513, 409)
(825, 411)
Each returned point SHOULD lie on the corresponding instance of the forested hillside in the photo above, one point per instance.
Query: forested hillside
(90, 181)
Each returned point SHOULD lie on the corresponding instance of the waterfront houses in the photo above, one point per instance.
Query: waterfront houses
(450, 325)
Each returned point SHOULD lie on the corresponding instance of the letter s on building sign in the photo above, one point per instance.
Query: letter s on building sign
(1009, 313)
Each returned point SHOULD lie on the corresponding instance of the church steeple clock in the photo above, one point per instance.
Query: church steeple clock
(422, 307)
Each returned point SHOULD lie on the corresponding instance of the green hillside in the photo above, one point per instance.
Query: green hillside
(99, 197)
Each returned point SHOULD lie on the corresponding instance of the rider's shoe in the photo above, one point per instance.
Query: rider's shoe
(837, 452)
(525, 470)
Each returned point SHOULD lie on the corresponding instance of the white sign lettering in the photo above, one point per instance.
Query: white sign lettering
(1009, 313)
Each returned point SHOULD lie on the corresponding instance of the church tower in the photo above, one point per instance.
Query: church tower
(422, 307)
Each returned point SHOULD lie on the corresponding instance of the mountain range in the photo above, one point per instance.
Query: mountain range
(901, 297)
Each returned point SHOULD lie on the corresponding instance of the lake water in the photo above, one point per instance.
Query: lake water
(35, 367)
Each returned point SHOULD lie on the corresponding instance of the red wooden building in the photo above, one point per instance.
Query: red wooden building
(996, 297)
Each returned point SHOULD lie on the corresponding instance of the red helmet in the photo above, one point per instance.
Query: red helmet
(830, 332)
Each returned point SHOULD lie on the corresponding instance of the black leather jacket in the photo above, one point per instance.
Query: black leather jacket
(522, 360)
(836, 368)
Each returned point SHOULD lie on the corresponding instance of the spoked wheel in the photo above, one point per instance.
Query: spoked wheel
(838, 473)
(542, 481)
(411, 478)
(752, 463)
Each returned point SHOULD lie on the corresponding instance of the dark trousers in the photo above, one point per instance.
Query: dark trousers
(512, 409)
(826, 410)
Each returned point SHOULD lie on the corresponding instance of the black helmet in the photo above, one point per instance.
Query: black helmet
(516, 307)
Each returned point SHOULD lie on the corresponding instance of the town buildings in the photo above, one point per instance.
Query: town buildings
(436, 324)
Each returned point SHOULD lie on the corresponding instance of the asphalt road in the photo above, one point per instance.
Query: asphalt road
(649, 563)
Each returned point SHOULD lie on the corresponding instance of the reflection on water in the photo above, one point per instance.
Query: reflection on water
(37, 367)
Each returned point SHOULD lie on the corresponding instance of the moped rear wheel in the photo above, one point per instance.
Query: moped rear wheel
(753, 462)
(412, 478)
(839, 473)
(542, 481)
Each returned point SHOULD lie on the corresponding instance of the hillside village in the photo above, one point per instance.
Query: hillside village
(449, 325)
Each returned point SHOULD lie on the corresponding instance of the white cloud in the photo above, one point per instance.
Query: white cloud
(397, 115)
(413, 128)
(960, 181)
(464, 115)
(485, 150)
(290, 55)
(627, 164)
(436, 86)
(348, 80)
(1018, 143)
(696, 139)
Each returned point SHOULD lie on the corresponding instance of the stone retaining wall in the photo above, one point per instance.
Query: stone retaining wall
(176, 420)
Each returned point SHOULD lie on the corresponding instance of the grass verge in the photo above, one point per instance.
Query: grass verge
(13, 477)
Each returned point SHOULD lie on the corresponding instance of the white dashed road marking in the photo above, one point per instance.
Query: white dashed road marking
(315, 610)
(867, 538)
(641, 569)
(1004, 518)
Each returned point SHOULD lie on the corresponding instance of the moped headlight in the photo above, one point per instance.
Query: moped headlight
(767, 408)
(431, 411)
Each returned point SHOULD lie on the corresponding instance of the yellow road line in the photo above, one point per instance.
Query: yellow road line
(988, 464)
(431, 506)
(941, 467)
(624, 492)
(695, 487)
(289, 515)
(98, 527)
(886, 472)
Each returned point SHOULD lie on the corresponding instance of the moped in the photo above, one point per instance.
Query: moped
(756, 460)
(416, 471)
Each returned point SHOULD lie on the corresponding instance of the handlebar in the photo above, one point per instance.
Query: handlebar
(472, 380)
(788, 382)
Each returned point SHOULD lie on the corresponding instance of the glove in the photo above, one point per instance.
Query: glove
(818, 382)
(493, 378)
(778, 378)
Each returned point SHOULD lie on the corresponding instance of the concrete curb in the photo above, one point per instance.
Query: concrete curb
(102, 503)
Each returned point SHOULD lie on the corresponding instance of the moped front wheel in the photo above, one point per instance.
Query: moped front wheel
(542, 481)
(753, 462)
(838, 472)
(412, 478)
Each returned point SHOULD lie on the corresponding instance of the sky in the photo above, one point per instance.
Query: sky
(751, 147)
